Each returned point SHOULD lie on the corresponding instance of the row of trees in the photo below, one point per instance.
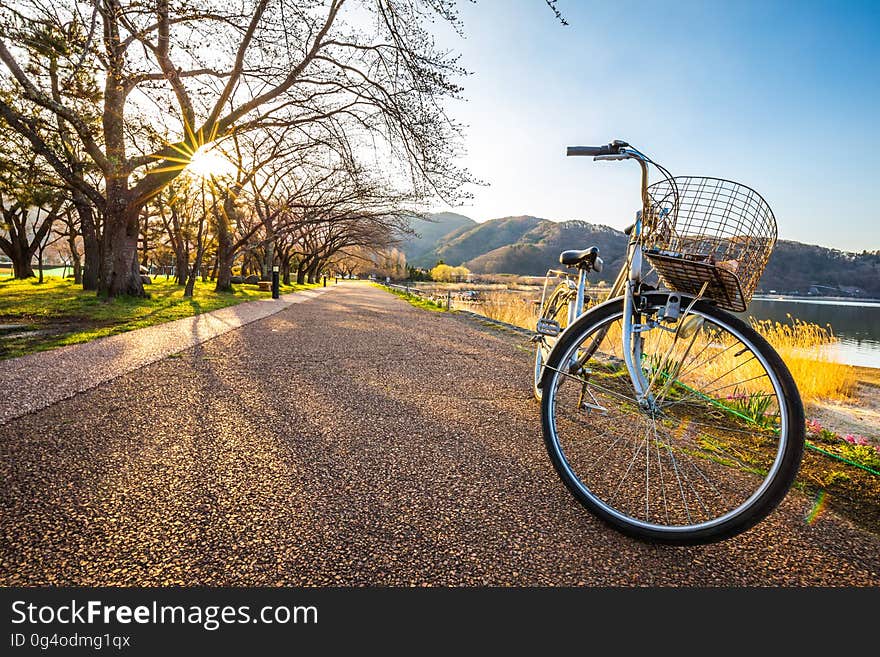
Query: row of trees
(220, 134)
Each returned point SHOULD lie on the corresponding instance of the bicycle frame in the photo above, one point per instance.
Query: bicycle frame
(627, 282)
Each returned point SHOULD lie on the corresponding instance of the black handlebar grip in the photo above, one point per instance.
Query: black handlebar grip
(607, 149)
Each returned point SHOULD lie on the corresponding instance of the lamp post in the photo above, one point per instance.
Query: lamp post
(275, 282)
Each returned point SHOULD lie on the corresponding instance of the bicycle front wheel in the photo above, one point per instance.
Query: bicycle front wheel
(710, 450)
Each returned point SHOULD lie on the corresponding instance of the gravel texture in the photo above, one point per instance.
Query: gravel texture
(41, 379)
(352, 440)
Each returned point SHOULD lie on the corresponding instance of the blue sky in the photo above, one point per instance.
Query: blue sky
(781, 96)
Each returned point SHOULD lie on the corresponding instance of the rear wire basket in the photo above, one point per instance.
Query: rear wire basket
(709, 231)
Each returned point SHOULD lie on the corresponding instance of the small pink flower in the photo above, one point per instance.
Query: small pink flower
(851, 439)
(861, 440)
(814, 426)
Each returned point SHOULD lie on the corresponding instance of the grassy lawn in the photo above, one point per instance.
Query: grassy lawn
(417, 301)
(58, 312)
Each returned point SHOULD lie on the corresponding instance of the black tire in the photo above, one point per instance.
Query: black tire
(556, 308)
(711, 441)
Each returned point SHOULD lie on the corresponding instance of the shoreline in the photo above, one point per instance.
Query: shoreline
(869, 375)
(872, 301)
(858, 415)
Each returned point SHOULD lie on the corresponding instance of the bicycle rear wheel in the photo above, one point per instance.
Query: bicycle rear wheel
(555, 308)
(712, 451)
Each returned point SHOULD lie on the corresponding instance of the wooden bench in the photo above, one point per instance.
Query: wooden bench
(265, 286)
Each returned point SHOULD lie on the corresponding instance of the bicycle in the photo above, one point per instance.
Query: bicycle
(663, 413)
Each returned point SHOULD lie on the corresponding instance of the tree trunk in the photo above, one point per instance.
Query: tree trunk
(269, 259)
(21, 260)
(300, 274)
(285, 270)
(91, 275)
(197, 265)
(225, 256)
(40, 264)
(181, 265)
(179, 244)
(224, 274)
(314, 270)
(200, 249)
(76, 262)
(121, 274)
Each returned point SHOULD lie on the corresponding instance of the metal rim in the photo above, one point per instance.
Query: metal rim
(551, 386)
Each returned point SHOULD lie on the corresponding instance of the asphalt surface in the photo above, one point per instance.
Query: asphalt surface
(350, 440)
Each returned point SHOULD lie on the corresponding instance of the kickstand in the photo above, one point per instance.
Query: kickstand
(593, 404)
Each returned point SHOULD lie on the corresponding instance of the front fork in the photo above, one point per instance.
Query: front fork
(632, 328)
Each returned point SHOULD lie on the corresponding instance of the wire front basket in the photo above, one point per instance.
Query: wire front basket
(712, 232)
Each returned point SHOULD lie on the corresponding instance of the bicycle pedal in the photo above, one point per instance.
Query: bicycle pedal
(548, 327)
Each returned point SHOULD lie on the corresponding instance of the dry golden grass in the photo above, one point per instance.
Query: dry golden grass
(805, 348)
(510, 307)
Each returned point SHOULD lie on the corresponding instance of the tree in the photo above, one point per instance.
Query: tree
(169, 204)
(201, 237)
(414, 273)
(442, 273)
(29, 205)
(351, 261)
(44, 59)
(446, 274)
(266, 169)
(268, 62)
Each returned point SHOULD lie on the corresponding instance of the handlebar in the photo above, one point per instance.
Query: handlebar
(608, 149)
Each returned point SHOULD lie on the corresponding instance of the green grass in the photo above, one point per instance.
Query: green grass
(62, 313)
(415, 300)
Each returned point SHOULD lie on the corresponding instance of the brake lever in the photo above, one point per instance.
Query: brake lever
(616, 156)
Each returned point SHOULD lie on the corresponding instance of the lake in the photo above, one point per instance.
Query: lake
(855, 322)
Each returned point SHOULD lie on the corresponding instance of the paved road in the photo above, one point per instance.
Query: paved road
(42, 379)
(349, 440)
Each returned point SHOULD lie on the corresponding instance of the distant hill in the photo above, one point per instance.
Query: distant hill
(795, 268)
(529, 245)
(464, 245)
(428, 235)
(538, 250)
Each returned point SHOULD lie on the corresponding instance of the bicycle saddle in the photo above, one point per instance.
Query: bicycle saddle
(575, 258)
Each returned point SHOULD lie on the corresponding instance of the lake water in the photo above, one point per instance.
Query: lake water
(856, 323)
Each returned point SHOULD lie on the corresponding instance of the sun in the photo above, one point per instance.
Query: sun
(207, 162)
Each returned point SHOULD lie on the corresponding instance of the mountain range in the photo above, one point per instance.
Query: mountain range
(528, 245)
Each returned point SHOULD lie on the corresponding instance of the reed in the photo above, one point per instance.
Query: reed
(510, 307)
(806, 350)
